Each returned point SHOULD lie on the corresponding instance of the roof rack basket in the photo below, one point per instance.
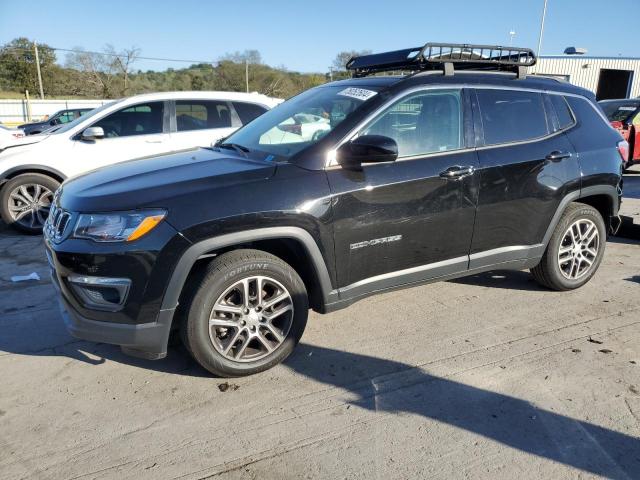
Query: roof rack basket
(446, 57)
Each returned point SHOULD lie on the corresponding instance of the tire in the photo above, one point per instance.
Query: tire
(34, 193)
(569, 269)
(246, 337)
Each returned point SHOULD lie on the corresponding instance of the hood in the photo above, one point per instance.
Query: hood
(152, 181)
(28, 140)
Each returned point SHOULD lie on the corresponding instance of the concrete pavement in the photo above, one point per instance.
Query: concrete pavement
(489, 376)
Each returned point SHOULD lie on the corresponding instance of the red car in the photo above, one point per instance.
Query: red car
(624, 116)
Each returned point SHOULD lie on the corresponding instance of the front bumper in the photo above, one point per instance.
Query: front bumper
(144, 340)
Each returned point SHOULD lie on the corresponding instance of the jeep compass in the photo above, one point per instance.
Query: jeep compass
(461, 165)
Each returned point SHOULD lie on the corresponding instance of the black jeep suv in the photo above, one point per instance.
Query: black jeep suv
(461, 166)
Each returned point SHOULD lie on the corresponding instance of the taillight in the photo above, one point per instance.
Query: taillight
(623, 150)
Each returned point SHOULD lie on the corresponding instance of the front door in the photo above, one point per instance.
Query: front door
(133, 132)
(412, 219)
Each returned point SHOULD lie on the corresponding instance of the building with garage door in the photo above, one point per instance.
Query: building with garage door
(608, 77)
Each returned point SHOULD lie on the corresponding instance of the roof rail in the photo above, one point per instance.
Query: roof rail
(447, 57)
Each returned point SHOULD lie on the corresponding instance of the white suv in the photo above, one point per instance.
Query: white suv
(32, 168)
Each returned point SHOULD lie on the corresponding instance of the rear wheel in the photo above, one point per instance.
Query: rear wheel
(25, 201)
(575, 249)
(246, 314)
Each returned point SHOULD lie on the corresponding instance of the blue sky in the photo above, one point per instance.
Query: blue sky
(305, 35)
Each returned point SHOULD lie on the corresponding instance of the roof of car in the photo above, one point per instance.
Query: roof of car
(471, 78)
(205, 95)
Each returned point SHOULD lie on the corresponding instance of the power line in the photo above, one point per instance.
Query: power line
(119, 55)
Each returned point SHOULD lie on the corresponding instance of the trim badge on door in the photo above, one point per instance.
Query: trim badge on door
(375, 241)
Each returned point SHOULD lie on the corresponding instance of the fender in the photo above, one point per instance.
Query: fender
(608, 190)
(197, 250)
(31, 168)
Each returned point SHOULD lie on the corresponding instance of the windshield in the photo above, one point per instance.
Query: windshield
(300, 122)
(619, 111)
(86, 116)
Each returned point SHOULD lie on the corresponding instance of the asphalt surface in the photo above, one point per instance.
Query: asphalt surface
(489, 376)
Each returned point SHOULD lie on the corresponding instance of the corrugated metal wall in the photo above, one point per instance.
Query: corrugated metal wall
(585, 71)
(16, 111)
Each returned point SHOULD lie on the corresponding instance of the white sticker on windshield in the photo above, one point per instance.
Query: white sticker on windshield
(359, 93)
(627, 109)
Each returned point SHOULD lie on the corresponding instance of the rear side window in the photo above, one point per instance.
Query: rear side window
(563, 112)
(511, 116)
(201, 114)
(248, 111)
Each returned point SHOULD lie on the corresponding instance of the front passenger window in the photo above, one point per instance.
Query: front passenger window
(142, 119)
(427, 122)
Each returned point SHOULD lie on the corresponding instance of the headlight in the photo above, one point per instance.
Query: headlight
(117, 227)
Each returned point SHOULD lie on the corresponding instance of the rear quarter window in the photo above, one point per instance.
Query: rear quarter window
(511, 115)
(594, 130)
(563, 112)
(248, 111)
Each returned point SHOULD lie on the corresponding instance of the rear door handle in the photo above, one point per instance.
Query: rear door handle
(556, 155)
(457, 172)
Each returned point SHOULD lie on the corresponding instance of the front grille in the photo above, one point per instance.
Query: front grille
(57, 223)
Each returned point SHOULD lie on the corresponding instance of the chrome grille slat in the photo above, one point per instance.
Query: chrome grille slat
(57, 223)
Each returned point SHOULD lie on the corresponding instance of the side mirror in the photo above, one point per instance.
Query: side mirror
(93, 133)
(367, 149)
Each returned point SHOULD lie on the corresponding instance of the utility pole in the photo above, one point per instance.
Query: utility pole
(331, 74)
(544, 14)
(246, 72)
(35, 47)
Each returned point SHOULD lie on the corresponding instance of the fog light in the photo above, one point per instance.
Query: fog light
(100, 293)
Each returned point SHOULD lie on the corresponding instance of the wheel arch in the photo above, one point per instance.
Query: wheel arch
(294, 245)
(603, 198)
(26, 169)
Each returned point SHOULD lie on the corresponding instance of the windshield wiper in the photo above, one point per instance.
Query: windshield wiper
(238, 148)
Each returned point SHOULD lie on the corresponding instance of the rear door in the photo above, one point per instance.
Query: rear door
(527, 165)
(199, 123)
(408, 220)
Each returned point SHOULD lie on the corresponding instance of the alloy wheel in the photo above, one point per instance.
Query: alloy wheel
(578, 249)
(251, 319)
(29, 204)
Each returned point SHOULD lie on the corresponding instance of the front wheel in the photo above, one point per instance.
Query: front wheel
(575, 249)
(25, 201)
(246, 314)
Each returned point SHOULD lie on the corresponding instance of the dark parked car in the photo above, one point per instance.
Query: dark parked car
(457, 168)
(58, 118)
(624, 116)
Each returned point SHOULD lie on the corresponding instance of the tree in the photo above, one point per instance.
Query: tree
(340, 62)
(18, 65)
(96, 72)
(252, 57)
(107, 74)
(121, 63)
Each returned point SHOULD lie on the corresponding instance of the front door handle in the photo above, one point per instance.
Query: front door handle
(557, 155)
(457, 172)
